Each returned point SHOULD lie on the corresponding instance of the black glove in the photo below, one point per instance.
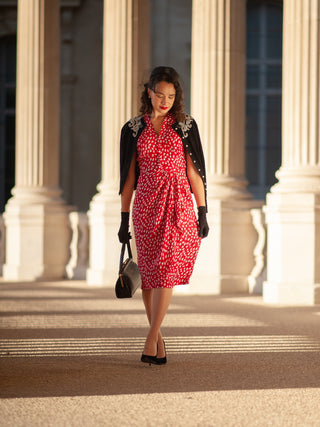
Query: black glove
(123, 233)
(202, 220)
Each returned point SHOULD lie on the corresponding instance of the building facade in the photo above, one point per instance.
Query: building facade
(250, 70)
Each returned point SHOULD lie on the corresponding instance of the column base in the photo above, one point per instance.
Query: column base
(293, 272)
(226, 256)
(79, 246)
(202, 284)
(37, 240)
(226, 188)
(104, 251)
(32, 273)
(291, 293)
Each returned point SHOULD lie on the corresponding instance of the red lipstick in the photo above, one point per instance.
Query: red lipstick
(163, 108)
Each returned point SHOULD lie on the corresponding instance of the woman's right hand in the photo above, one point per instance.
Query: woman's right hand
(123, 233)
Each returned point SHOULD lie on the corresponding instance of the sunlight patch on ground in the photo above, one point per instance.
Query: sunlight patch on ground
(121, 320)
(58, 347)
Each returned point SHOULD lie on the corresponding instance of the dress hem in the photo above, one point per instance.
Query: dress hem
(164, 287)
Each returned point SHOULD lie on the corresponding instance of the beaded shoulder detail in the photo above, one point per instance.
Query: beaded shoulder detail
(186, 125)
(135, 124)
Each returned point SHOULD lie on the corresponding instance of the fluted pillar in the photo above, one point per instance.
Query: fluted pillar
(218, 92)
(293, 206)
(218, 105)
(36, 217)
(125, 58)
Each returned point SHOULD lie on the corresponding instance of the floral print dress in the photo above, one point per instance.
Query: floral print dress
(164, 220)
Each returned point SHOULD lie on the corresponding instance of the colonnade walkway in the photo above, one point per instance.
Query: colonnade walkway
(70, 356)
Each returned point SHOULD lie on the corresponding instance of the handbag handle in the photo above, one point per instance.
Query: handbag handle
(123, 248)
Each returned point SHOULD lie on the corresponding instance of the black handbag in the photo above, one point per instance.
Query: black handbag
(129, 279)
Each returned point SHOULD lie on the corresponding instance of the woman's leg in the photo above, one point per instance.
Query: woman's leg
(156, 307)
(147, 296)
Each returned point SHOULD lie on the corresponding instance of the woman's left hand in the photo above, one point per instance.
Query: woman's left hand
(203, 224)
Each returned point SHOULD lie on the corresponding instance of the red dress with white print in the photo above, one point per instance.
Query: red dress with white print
(164, 220)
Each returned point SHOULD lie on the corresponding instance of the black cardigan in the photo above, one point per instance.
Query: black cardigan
(188, 132)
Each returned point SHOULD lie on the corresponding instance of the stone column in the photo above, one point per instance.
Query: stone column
(218, 105)
(36, 217)
(123, 35)
(293, 206)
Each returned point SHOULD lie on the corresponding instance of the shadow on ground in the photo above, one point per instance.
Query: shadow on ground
(67, 339)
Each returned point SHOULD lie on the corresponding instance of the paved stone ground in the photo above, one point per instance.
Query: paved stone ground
(69, 356)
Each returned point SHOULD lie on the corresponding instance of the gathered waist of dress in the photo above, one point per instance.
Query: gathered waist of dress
(159, 174)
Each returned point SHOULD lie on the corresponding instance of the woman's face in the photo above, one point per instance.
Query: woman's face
(162, 98)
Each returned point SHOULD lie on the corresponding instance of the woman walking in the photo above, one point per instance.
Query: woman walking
(161, 157)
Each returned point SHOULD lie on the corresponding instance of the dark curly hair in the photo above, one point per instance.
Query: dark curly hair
(169, 75)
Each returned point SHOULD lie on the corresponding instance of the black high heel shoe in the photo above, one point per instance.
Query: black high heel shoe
(163, 360)
(145, 358)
